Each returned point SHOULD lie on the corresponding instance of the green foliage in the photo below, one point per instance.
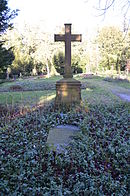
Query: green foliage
(80, 57)
(32, 48)
(59, 62)
(5, 16)
(6, 58)
(6, 55)
(96, 163)
(23, 61)
(114, 49)
(76, 64)
(22, 65)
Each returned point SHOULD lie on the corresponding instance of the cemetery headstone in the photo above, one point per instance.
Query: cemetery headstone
(34, 71)
(68, 90)
(59, 137)
(20, 75)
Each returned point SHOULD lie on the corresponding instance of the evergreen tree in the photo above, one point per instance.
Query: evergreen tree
(6, 15)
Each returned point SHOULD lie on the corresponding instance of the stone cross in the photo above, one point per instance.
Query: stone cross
(68, 38)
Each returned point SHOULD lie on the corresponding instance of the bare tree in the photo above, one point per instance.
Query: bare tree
(104, 6)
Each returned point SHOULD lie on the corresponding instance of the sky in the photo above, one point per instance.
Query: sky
(51, 14)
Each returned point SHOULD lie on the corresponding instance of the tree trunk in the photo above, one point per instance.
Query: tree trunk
(53, 71)
(7, 76)
(48, 70)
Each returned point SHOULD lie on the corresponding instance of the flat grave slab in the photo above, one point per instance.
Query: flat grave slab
(61, 136)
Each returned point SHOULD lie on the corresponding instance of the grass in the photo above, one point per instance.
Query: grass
(100, 91)
(99, 96)
(95, 90)
(30, 83)
(29, 97)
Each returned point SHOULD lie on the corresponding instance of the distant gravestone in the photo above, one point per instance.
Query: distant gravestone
(68, 90)
(34, 71)
(20, 75)
(8, 72)
(59, 137)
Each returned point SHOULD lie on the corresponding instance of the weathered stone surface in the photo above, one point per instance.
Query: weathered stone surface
(68, 92)
(61, 136)
(68, 38)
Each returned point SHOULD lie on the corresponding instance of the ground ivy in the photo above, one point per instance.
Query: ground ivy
(96, 162)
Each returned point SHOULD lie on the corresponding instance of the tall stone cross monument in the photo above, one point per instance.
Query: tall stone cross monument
(68, 38)
(68, 89)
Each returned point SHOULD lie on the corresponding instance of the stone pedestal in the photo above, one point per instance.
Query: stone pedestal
(68, 91)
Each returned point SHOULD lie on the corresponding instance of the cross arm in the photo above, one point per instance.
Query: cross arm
(58, 37)
(76, 37)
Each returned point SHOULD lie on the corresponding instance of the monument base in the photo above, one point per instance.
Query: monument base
(68, 92)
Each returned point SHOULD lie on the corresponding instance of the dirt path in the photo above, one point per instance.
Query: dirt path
(123, 96)
(122, 92)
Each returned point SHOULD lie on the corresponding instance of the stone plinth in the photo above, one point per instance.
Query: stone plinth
(68, 91)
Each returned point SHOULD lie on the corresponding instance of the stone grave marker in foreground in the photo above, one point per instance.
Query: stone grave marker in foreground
(68, 90)
(59, 137)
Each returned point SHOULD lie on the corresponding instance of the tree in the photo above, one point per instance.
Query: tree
(80, 56)
(79, 59)
(6, 58)
(59, 62)
(125, 55)
(23, 61)
(6, 15)
(32, 49)
(105, 5)
(111, 44)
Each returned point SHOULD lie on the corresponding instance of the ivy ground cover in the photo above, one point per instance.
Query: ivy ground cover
(96, 162)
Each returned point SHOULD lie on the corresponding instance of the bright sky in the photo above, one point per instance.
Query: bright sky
(54, 13)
